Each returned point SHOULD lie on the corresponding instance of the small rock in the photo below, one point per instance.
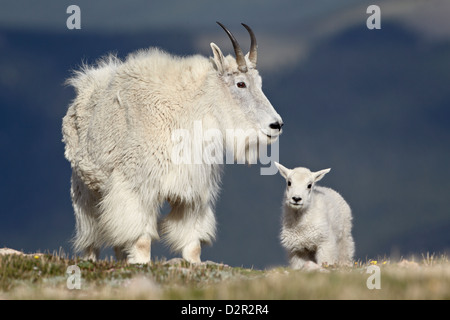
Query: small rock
(212, 263)
(311, 266)
(5, 251)
(174, 261)
(408, 264)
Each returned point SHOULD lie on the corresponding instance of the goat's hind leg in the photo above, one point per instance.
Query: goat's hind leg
(346, 250)
(85, 205)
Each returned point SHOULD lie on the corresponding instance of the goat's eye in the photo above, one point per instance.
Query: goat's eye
(309, 186)
(241, 85)
(289, 183)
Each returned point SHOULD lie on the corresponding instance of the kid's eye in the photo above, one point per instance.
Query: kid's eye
(289, 183)
(241, 85)
(309, 186)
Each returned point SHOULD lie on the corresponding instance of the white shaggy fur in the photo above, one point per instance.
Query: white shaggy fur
(316, 223)
(118, 136)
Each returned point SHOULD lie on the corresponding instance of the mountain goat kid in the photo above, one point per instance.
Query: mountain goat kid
(316, 223)
(119, 138)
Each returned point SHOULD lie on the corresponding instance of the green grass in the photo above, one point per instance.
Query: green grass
(44, 277)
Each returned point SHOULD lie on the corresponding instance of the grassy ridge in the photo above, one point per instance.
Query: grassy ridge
(44, 276)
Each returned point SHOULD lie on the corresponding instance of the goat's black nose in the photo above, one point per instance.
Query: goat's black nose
(276, 125)
(296, 199)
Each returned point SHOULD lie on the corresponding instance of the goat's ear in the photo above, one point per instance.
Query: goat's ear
(219, 59)
(249, 62)
(320, 174)
(283, 170)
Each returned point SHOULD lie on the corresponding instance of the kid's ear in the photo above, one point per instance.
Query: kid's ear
(283, 170)
(219, 59)
(320, 174)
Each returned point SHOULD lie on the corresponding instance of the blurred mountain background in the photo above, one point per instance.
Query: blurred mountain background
(374, 105)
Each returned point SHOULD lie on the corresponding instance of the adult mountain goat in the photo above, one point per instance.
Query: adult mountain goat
(118, 133)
